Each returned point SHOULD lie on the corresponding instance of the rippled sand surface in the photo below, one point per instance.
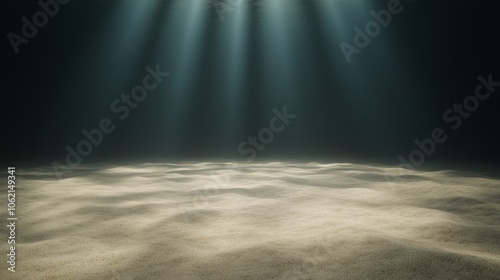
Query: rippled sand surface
(273, 220)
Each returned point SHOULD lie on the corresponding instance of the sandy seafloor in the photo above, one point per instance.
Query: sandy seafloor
(267, 220)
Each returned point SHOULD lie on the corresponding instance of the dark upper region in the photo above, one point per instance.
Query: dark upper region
(439, 48)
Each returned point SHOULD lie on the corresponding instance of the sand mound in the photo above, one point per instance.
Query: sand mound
(275, 220)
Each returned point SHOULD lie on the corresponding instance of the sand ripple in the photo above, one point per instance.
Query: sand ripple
(268, 220)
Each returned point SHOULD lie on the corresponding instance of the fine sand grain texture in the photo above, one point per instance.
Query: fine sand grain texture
(267, 220)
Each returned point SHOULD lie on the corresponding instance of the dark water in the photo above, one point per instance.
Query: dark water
(230, 68)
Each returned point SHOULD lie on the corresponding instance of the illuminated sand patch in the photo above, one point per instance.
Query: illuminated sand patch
(256, 221)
